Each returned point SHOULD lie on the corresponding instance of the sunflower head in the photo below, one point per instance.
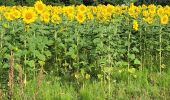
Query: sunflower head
(80, 18)
(144, 6)
(70, 10)
(82, 8)
(9, 16)
(109, 8)
(167, 10)
(16, 13)
(29, 16)
(135, 25)
(149, 20)
(90, 16)
(164, 19)
(145, 13)
(45, 17)
(55, 19)
(160, 11)
(39, 6)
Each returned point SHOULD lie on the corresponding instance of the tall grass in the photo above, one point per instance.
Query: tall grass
(144, 85)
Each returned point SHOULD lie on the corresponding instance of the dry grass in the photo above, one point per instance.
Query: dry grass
(40, 78)
(11, 76)
(21, 82)
(1, 94)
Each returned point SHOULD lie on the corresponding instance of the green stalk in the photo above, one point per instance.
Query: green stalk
(102, 58)
(77, 55)
(77, 39)
(104, 77)
(55, 40)
(34, 38)
(141, 57)
(56, 57)
(144, 49)
(110, 65)
(65, 51)
(160, 51)
(34, 58)
(151, 58)
(25, 57)
(25, 45)
(129, 37)
(1, 40)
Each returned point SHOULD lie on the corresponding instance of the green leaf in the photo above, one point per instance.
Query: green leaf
(135, 49)
(39, 55)
(47, 53)
(31, 63)
(72, 52)
(133, 1)
(5, 65)
(136, 61)
(131, 56)
(96, 40)
(108, 69)
(42, 63)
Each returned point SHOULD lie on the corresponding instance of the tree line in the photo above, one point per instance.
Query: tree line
(86, 2)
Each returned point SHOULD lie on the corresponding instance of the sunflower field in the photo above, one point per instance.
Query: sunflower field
(101, 52)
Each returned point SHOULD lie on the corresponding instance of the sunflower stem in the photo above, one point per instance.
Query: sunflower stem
(160, 51)
(110, 65)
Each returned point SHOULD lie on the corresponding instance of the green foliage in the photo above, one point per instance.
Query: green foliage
(71, 50)
(30, 2)
(7, 2)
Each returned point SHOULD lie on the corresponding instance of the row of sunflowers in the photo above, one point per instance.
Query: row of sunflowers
(82, 13)
(85, 40)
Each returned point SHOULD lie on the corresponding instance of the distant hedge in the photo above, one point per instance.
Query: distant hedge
(86, 2)
(159, 2)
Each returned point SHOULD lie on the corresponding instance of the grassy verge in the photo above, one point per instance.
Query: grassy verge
(145, 86)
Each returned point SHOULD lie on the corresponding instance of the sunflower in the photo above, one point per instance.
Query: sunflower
(16, 13)
(90, 16)
(145, 13)
(80, 18)
(82, 8)
(160, 11)
(149, 20)
(109, 9)
(144, 7)
(29, 16)
(152, 9)
(9, 16)
(71, 17)
(131, 11)
(69, 10)
(39, 7)
(164, 19)
(56, 10)
(6, 15)
(124, 9)
(55, 19)
(45, 17)
(135, 25)
(167, 10)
